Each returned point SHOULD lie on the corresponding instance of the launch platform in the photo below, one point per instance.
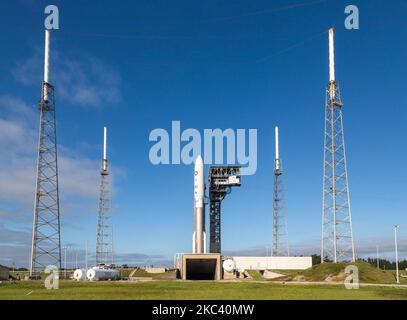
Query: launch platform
(196, 266)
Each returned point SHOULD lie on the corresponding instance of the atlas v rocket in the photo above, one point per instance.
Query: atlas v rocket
(199, 236)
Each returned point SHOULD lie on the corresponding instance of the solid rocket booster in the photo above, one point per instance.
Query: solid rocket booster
(46, 63)
(199, 236)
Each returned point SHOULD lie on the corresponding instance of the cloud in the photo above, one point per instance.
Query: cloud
(87, 82)
(14, 246)
(78, 177)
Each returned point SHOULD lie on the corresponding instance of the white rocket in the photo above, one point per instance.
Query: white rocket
(199, 236)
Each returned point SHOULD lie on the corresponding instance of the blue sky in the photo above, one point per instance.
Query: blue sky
(136, 66)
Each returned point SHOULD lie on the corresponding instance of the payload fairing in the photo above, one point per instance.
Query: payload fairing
(199, 236)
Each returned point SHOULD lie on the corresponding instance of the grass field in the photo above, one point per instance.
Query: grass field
(320, 272)
(172, 290)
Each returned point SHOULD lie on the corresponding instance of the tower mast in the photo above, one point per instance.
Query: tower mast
(104, 246)
(46, 236)
(280, 232)
(337, 235)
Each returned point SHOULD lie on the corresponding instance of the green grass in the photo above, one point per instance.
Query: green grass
(255, 275)
(172, 290)
(144, 274)
(319, 272)
(401, 272)
(124, 273)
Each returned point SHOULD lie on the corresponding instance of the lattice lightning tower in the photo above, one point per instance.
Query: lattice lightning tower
(337, 236)
(104, 246)
(280, 232)
(46, 237)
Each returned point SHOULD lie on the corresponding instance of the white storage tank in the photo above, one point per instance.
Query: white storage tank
(229, 266)
(100, 274)
(79, 274)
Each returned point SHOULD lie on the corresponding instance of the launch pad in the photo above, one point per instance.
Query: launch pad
(214, 266)
(201, 266)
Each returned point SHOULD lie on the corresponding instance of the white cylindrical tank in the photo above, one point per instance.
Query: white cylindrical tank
(229, 265)
(79, 274)
(100, 274)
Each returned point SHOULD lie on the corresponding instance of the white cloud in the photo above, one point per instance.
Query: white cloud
(87, 82)
(78, 176)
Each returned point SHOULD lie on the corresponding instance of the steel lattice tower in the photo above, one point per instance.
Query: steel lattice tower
(46, 243)
(337, 236)
(280, 232)
(104, 246)
(221, 181)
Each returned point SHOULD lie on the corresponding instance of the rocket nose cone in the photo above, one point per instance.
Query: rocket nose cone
(198, 161)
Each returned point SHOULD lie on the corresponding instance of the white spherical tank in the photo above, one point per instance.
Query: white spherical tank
(100, 274)
(229, 265)
(79, 274)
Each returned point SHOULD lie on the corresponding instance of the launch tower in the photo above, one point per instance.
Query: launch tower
(221, 181)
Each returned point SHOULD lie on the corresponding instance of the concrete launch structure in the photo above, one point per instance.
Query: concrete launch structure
(272, 263)
(200, 265)
(199, 235)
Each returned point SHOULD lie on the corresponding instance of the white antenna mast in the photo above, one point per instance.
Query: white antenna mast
(104, 148)
(277, 160)
(331, 62)
(46, 63)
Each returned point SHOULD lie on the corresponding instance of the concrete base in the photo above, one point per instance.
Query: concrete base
(201, 266)
(272, 263)
(156, 270)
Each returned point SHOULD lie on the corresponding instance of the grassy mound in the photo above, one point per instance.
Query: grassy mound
(335, 272)
(141, 273)
(255, 275)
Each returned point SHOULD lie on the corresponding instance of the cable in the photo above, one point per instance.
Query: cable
(298, 44)
(270, 11)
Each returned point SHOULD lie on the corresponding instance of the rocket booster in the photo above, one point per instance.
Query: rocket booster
(199, 236)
